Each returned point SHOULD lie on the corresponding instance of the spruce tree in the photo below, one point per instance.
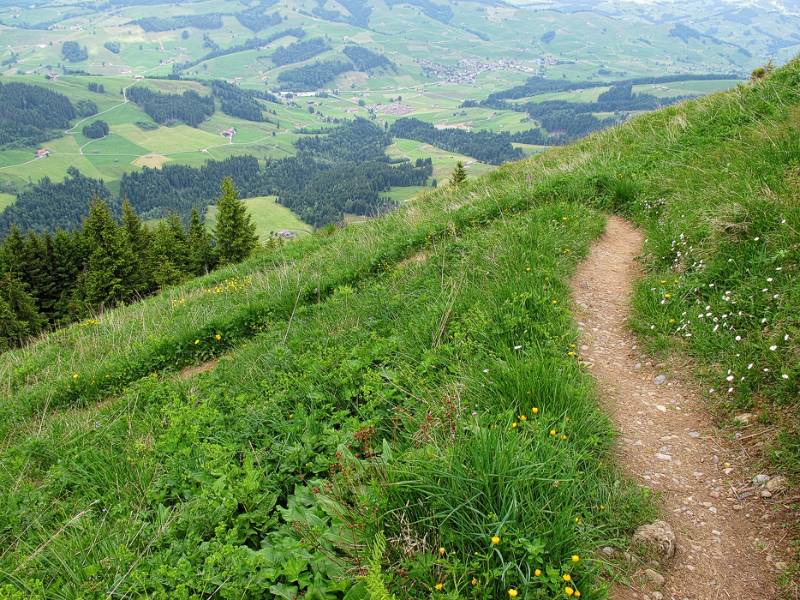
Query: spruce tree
(459, 175)
(199, 243)
(169, 251)
(235, 233)
(19, 317)
(138, 239)
(110, 263)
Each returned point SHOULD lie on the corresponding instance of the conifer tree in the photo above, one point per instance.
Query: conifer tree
(138, 239)
(110, 260)
(19, 318)
(199, 243)
(235, 233)
(170, 253)
(459, 175)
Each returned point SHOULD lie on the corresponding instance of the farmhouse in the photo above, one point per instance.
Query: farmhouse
(229, 133)
(42, 152)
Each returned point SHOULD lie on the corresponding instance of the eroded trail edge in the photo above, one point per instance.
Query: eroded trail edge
(667, 442)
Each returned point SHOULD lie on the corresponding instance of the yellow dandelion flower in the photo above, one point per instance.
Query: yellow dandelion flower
(512, 593)
(439, 587)
(537, 573)
(514, 425)
(474, 581)
(535, 410)
(576, 558)
(569, 591)
(667, 296)
(577, 594)
(495, 540)
(218, 337)
(553, 433)
(570, 353)
(577, 519)
(523, 418)
(442, 551)
(563, 436)
(566, 577)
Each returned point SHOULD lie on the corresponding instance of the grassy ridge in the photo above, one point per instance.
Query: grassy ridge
(389, 407)
(343, 407)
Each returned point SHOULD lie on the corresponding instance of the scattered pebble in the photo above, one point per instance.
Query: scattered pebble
(760, 479)
(660, 379)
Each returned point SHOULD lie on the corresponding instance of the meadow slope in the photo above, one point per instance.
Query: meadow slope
(412, 380)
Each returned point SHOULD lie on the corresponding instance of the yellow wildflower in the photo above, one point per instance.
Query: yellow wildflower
(535, 410)
(196, 342)
(218, 337)
(74, 375)
(441, 551)
(569, 591)
(439, 587)
(537, 573)
(553, 433)
(523, 418)
(474, 581)
(566, 577)
(514, 425)
(577, 594)
(495, 540)
(512, 593)
(575, 558)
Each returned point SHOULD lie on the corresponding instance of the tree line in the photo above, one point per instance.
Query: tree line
(31, 114)
(239, 102)
(486, 146)
(156, 24)
(366, 60)
(255, 19)
(189, 107)
(48, 280)
(314, 76)
(564, 121)
(298, 51)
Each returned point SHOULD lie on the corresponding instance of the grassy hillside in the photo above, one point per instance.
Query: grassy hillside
(412, 379)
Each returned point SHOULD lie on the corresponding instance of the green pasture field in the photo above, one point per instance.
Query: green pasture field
(443, 162)
(269, 217)
(6, 200)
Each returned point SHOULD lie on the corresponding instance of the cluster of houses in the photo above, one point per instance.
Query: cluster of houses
(468, 69)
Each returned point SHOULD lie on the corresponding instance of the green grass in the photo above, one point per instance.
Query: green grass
(268, 216)
(6, 200)
(370, 380)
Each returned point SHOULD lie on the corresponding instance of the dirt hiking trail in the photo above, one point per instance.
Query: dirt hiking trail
(725, 545)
